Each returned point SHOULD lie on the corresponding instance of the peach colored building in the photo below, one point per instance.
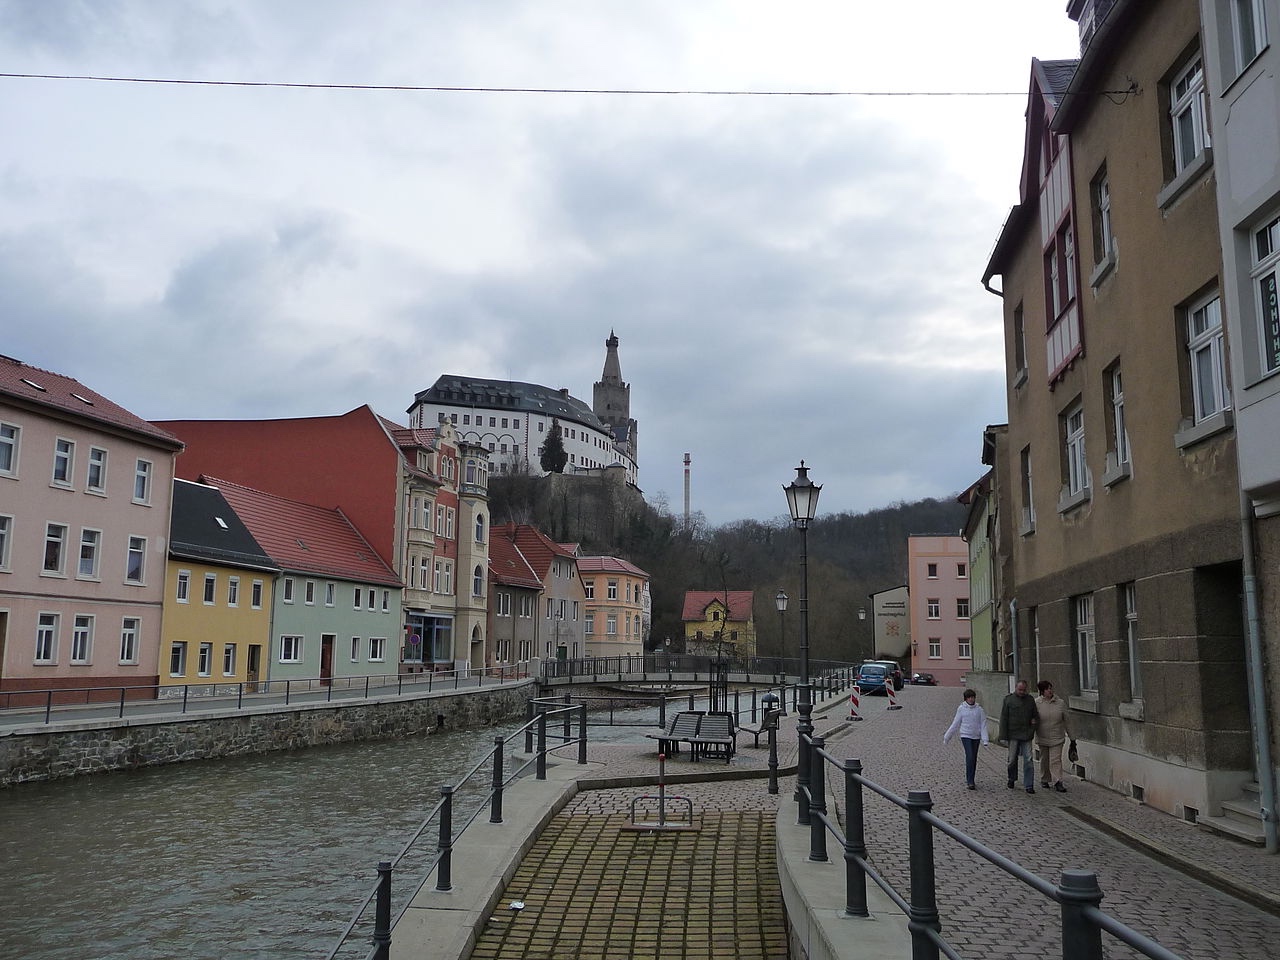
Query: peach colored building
(938, 581)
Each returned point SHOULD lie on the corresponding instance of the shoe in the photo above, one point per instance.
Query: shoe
(1059, 787)
(972, 787)
(1045, 784)
(1010, 784)
(1031, 789)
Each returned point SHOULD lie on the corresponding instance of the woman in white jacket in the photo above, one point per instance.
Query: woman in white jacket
(971, 723)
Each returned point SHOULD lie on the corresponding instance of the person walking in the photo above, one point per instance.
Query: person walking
(1051, 733)
(1018, 720)
(971, 723)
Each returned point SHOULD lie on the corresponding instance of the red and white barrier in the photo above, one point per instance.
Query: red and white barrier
(893, 697)
(853, 704)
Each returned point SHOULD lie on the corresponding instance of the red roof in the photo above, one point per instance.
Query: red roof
(609, 565)
(697, 601)
(22, 382)
(507, 565)
(536, 547)
(305, 538)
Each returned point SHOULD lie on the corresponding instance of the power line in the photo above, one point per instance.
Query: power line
(601, 91)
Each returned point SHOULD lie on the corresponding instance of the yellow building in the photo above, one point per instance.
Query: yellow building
(615, 606)
(217, 604)
(719, 623)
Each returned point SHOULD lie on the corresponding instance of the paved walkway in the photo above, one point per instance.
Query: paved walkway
(590, 889)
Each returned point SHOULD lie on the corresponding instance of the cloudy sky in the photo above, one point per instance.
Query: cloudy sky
(789, 276)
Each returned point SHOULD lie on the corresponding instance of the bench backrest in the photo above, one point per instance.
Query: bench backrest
(717, 725)
(685, 724)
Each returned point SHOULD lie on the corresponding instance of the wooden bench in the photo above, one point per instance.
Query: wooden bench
(715, 737)
(682, 727)
(769, 721)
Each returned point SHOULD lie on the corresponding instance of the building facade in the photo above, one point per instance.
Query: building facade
(559, 622)
(720, 623)
(85, 490)
(1126, 553)
(938, 588)
(615, 601)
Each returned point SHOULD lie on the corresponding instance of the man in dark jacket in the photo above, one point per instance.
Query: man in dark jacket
(1018, 720)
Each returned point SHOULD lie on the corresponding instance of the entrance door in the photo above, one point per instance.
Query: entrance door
(254, 667)
(4, 635)
(326, 658)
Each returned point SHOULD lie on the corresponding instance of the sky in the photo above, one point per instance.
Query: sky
(789, 277)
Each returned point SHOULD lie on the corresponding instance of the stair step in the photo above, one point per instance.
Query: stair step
(1247, 808)
(1252, 787)
(1248, 831)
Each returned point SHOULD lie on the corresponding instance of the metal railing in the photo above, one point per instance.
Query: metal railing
(227, 695)
(538, 732)
(664, 667)
(1078, 893)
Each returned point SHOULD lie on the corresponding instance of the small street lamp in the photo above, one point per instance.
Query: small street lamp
(802, 501)
(780, 601)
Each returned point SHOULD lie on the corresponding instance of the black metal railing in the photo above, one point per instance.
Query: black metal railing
(664, 667)
(1077, 893)
(180, 698)
(540, 734)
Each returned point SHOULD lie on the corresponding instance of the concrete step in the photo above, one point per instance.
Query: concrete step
(1241, 817)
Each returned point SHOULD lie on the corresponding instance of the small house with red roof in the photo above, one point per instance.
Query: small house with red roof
(559, 618)
(719, 623)
(513, 600)
(335, 606)
(617, 596)
(85, 487)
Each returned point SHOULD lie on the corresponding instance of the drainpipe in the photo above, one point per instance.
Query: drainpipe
(1257, 692)
(1013, 636)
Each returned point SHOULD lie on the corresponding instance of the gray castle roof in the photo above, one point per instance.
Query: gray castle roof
(481, 393)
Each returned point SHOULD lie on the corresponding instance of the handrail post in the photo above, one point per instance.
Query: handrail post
(582, 733)
(186, 689)
(662, 711)
(568, 719)
(922, 914)
(122, 693)
(1081, 939)
(48, 705)
(855, 841)
(542, 745)
(495, 808)
(444, 875)
(817, 801)
(804, 779)
(528, 730)
(382, 913)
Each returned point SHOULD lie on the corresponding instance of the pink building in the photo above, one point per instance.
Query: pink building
(938, 579)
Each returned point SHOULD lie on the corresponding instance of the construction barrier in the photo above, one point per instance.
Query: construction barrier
(853, 704)
(893, 697)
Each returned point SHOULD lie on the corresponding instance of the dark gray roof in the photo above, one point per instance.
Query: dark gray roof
(204, 527)
(453, 390)
(1055, 77)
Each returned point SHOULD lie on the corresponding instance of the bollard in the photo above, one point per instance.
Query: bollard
(1081, 939)
(855, 843)
(853, 704)
(444, 872)
(495, 808)
(773, 758)
(922, 913)
(817, 802)
(382, 913)
(662, 790)
(582, 733)
(893, 697)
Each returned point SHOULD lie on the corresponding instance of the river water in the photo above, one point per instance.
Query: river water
(263, 856)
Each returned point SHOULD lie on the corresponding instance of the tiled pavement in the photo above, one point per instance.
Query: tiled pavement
(592, 890)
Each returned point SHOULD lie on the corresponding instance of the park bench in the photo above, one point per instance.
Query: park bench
(715, 737)
(682, 727)
(769, 721)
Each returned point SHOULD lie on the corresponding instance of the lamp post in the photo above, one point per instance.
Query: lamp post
(862, 617)
(802, 501)
(780, 601)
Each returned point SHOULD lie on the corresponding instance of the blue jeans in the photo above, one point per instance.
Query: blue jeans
(970, 758)
(1021, 748)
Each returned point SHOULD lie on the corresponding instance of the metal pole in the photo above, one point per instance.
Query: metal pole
(805, 727)
(495, 808)
(444, 874)
(122, 693)
(528, 729)
(582, 733)
(542, 744)
(773, 758)
(818, 803)
(1081, 940)
(382, 913)
(855, 842)
(922, 915)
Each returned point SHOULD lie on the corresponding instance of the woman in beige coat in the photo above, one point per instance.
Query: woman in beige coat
(1051, 733)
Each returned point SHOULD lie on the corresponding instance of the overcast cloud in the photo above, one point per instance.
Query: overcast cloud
(789, 277)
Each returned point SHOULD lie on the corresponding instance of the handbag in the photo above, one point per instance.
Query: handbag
(1072, 753)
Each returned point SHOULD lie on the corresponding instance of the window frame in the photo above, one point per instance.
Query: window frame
(1264, 275)
(1129, 612)
(178, 658)
(377, 649)
(933, 608)
(209, 595)
(135, 546)
(6, 538)
(1256, 28)
(55, 539)
(142, 474)
(1076, 474)
(292, 644)
(1084, 643)
(97, 459)
(95, 555)
(182, 587)
(228, 659)
(64, 463)
(204, 660)
(130, 633)
(82, 639)
(1211, 342)
(10, 447)
(1191, 104)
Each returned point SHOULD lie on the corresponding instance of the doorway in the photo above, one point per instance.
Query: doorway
(254, 667)
(326, 658)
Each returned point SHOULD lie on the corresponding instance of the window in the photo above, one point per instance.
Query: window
(1028, 522)
(184, 586)
(479, 528)
(135, 565)
(47, 638)
(55, 544)
(962, 608)
(440, 519)
(1249, 26)
(964, 649)
(477, 581)
(1076, 470)
(526, 606)
(450, 518)
(255, 596)
(933, 571)
(178, 659)
(1266, 264)
(933, 608)
(1086, 652)
(89, 542)
(204, 664)
(935, 648)
(1100, 200)
(96, 479)
(962, 571)
(1209, 389)
(82, 639)
(1188, 115)
(575, 611)
(9, 435)
(290, 649)
(130, 627)
(309, 593)
(210, 588)
(371, 598)
(377, 649)
(6, 528)
(560, 610)
(142, 482)
(611, 625)
(502, 604)
(233, 591)
(613, 590)
(386, 601)
(229, 660)
(1060, 272)
(288, 591)
(549, 603)
(1117, 434)
(355, 649)
(64, 452)
(330, 591)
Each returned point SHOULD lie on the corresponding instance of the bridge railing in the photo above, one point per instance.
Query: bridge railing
(541, 734)
(1077, 893)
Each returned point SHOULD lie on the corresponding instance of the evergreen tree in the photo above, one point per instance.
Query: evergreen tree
(551, 455)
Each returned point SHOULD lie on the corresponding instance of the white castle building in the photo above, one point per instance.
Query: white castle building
(511, 419)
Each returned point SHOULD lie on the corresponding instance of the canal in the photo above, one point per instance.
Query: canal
(261, 856)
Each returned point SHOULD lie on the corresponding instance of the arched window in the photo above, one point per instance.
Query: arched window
(479, 528)
(477, 582)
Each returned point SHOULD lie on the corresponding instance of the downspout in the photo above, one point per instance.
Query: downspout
(1257, 692)
(1013, 636)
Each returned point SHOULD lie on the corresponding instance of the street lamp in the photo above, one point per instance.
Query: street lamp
(862, 617)
(780, 601)
(802, 501)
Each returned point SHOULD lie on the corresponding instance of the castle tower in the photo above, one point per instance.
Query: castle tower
(611, 400)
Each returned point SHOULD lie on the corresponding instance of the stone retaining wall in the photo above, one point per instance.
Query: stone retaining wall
(69, 749)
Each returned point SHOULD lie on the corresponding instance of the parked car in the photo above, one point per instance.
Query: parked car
(872, 677)
(924, 679)
(894, 670)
